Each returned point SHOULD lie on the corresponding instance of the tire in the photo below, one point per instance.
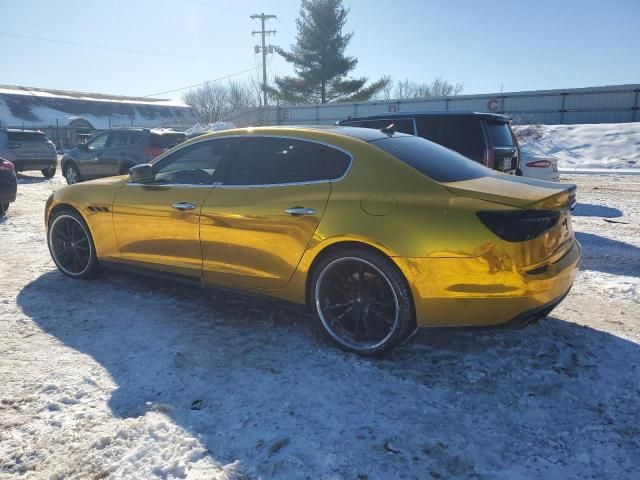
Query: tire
(48, 172)
(71, 245)
(3, 209)
(72, 174)
(356, 292)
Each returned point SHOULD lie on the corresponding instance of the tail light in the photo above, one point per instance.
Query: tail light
(153, 152)
(519, 225)
(491, 158)
(6, 165)
(539, 164)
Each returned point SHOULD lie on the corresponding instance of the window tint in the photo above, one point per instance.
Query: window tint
(27, 137)
(99, 141)
(121, 138)
(194, 164)
(268, 161)
(432, 160)
(167, 140)
(500, 134)
(464, 135)
(402, 125)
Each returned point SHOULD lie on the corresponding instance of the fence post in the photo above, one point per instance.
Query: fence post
(635, 105)
(562, 110)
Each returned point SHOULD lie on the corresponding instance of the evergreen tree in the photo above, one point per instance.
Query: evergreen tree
(319, 59)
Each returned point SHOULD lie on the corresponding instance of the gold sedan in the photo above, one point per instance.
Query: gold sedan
(376, 232)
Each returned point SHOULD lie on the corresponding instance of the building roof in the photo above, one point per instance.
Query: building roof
(38, 107)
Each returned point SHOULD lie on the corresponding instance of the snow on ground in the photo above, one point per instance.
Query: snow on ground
(603, 145)
(123, 377)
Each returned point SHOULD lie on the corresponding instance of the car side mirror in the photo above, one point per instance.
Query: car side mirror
(142, 173)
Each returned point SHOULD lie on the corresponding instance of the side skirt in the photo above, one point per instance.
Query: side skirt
(196, 282)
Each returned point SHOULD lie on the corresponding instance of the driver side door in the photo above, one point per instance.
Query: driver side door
(89, 156)
(157, 224)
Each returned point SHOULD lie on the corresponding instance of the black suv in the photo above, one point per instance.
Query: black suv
(115, 151)
(484, 137)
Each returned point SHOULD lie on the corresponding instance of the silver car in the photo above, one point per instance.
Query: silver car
(28, 150)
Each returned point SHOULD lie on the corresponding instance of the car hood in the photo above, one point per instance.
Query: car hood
(517, 191)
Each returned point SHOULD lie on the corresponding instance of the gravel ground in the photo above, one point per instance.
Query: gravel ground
(122, 377)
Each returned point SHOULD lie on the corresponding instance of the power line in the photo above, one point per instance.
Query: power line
(203, 83)
(119, 49)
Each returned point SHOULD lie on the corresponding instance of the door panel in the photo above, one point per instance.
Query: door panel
(247, 238)
(88, 159)
(154, 234)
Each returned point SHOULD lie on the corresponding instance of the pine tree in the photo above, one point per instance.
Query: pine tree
(319, 59)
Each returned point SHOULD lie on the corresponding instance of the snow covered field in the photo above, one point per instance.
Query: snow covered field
(123, 377)
(589, 146)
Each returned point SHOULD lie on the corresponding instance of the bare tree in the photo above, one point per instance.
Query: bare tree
(214, 102)
(411, 89)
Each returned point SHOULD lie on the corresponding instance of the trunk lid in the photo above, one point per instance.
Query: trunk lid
(517, 192)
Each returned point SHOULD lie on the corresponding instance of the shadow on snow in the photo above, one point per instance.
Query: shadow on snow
(548, 400)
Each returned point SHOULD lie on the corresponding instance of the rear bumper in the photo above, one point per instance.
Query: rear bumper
(474, 292)
(37, 164)
(8, 187)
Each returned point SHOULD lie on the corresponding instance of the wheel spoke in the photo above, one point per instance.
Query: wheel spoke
(342, 315)
(338, 305)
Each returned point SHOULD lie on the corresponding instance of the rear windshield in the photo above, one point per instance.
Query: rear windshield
(167, 140)
(500, 134)
(433, 160)
(27, 137)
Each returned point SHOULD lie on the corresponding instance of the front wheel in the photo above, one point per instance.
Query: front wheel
(362, 302)
(71, 245)
(48, 172)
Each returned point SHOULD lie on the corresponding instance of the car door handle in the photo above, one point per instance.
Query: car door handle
(183, 206)
(299, 211)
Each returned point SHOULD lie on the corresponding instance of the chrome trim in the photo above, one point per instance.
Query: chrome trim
(184, 206)
(187, 185)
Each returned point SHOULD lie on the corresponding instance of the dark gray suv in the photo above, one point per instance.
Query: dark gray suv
(28, 150)
(115, 151)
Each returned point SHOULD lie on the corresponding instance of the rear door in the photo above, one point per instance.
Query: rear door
(117, 152)
(256, 226)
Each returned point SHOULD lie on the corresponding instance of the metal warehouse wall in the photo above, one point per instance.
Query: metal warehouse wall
(609, 104)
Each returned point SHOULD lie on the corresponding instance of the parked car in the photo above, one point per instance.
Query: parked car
(540, 167)
(29, 150)
(484, 137)
(8, 185)
(115, 151)
(376, 233)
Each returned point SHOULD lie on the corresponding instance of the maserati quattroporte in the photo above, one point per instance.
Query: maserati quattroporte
(375, 232)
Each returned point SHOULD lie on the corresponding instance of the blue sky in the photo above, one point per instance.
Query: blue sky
(484, 44)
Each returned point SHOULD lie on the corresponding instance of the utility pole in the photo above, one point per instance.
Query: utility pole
(264, 49)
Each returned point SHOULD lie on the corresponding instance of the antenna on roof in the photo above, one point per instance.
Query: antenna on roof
(389, 129)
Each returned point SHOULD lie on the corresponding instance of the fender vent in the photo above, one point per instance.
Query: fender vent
(97, 208)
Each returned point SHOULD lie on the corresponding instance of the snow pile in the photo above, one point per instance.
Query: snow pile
(589, 146)
(199, 129)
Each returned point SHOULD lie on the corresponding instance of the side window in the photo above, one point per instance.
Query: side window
(99, 141)
(195, 164)
(122, 138)
(463, 135)
(270, 161)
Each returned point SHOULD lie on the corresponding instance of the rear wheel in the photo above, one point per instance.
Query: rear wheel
(3, 209)
(48, 172)
(362, 302)
(71, 245)
(72, 174)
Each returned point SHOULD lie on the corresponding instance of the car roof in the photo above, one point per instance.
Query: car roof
(12, 130)
(447, 113)
(359, 133)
